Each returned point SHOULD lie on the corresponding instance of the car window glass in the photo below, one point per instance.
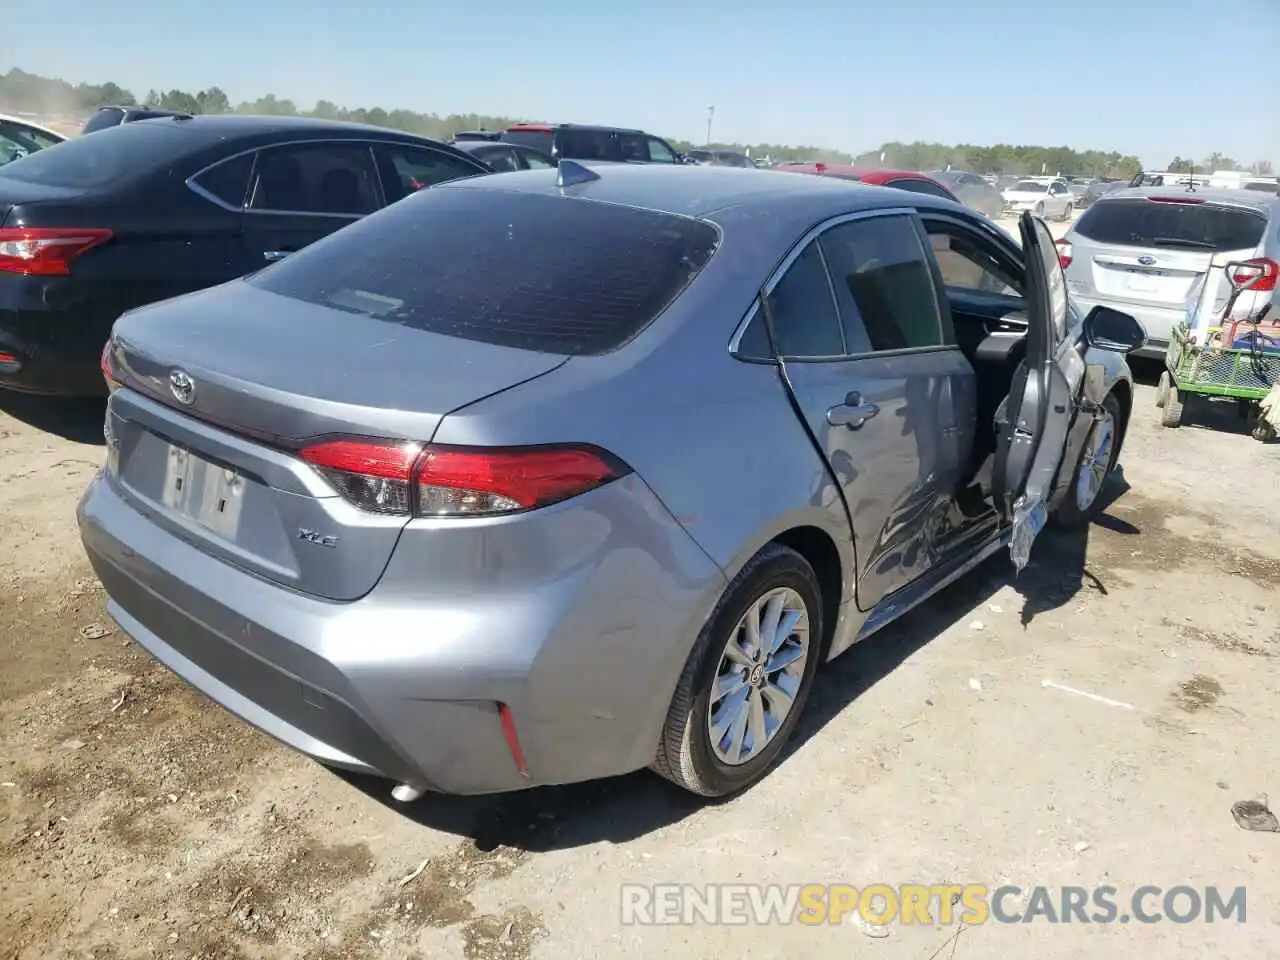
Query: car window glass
(965, 263)
(805, 322)
(407, 169)
(754, 343)
(500, 159)
(633, 147)
(1139, 222)
(884, 285)
(104, 118)
(29, 137)
(329, 178)
(229, 180)
(515, 269)
(580, 144)
(659, 152)
(12, 146)
(919, 186)
(1057, 281)
(536, 161)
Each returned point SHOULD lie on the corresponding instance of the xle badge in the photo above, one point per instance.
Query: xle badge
(314, 536)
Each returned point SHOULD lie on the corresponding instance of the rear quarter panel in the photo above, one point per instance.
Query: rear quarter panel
(713, 436)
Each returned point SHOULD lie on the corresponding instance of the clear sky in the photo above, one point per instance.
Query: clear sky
(1140, 76)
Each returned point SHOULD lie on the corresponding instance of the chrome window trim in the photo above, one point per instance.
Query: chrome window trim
(794, 254)
(195, 187)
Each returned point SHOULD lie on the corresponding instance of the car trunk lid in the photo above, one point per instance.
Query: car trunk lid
(223, 388)
(1156, 251)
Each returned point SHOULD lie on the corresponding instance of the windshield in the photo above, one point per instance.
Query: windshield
(86, 162)
(1028, 186)
(1139, 222)
(519, 270)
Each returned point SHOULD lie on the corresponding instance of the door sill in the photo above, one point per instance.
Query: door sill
(907, 598)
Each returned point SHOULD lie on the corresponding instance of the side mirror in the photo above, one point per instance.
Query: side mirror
(1114, 331)
(1245, 275)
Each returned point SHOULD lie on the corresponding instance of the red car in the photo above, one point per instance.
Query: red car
(902, 179)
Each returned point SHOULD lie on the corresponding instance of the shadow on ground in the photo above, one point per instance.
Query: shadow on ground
(624, 808)
(76, 419)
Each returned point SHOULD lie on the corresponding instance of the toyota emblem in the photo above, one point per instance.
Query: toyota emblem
(182, 387)
(1146, 260)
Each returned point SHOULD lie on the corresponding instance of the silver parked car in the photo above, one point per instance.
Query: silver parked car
(555, 475)
(1157, 253)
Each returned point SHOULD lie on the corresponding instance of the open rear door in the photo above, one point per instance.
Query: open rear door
(1043, 398)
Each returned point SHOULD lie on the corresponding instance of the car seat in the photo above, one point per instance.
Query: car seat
(340, 192)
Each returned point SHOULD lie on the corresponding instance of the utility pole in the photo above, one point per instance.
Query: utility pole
(711, 112)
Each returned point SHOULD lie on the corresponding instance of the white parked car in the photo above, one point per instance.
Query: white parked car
(1050, 198)
(19, 137)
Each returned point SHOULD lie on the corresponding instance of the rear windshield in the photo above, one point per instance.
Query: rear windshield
(1137, 222)
(543, 140)
(86, 162)
(106, 117)
(543, 273)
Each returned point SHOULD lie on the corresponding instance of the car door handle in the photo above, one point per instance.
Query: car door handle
(853, 413)
(271, 256)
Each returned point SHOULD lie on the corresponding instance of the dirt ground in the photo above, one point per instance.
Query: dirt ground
(137, 819)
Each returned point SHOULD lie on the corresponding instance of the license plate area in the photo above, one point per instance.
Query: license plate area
(206, 493)
(1142, 282)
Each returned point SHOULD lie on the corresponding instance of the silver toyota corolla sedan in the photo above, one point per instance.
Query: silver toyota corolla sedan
(549, 476)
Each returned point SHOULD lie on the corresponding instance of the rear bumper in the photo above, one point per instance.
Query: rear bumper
(1158, 322)
(56, 353)
(406, 684)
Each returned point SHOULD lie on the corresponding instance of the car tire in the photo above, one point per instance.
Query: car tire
(1039, 210)
(1093, 469)
(687, 755)
(1066, 212)
(1263, 432)
(1174, 405)
(1163, 386)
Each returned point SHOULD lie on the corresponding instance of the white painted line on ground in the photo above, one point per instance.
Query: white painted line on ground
(1088, 696)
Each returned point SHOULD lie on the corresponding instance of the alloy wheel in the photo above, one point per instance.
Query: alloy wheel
(759, 676)
(1095, 464)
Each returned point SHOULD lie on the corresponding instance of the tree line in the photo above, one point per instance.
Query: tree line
(23, 91)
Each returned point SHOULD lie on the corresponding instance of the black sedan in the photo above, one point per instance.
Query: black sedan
(506, 157)
(145, 211)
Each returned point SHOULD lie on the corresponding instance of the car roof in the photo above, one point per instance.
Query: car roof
(211, 128)
(871, 175)
(26, 122)
(551, 127)
(1253, 199)
(708, 191)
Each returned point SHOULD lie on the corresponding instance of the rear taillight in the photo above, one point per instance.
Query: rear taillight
(1064, 253)
(1263, 271)
(104, 363)
(403, 479)
(46, 251)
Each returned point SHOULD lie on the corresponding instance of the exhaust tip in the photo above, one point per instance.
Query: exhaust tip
(405, 793)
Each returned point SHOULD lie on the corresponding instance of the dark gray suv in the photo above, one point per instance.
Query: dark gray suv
(579, 142)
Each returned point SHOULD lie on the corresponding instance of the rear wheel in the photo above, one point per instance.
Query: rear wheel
(1264, 432)
(1174, 403)
(1163, 386)
(747, 679)
(1096, 464)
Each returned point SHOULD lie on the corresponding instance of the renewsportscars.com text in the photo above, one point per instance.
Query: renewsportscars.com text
(880, 904)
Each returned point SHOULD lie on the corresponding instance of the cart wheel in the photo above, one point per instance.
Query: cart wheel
(1171, 414)
(1163, 387)
(1264, 432)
